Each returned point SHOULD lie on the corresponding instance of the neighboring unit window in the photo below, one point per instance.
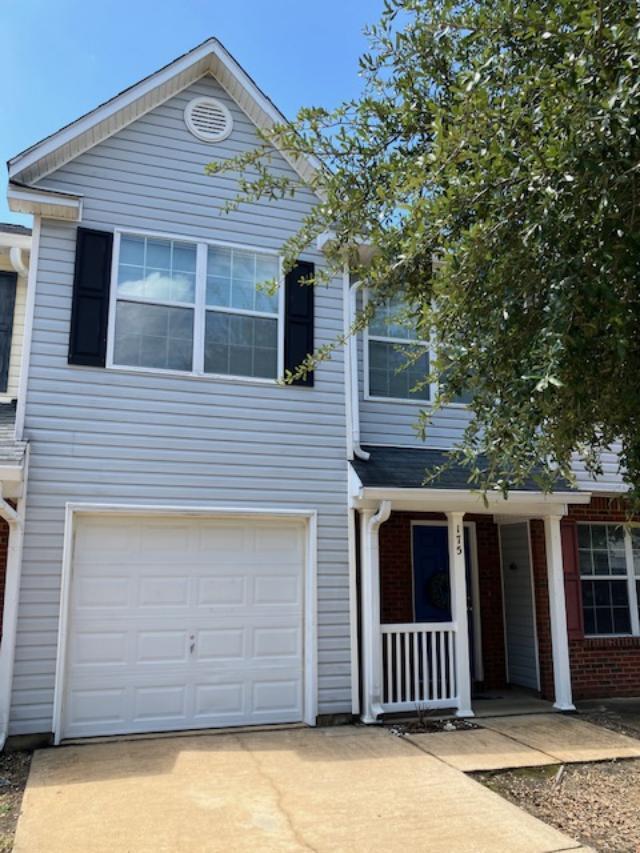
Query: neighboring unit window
(241, 329)
(394, 371)
(156, 301)
(163, 298)
(609, 566)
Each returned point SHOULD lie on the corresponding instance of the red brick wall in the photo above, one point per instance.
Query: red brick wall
(4, 542)
(599, 666)
(396, 583)
(543, 621)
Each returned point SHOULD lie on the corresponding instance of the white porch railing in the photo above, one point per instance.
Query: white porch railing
(418, 666)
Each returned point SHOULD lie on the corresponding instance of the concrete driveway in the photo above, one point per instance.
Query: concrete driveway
(339, 789)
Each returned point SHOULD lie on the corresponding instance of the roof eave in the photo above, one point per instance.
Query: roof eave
(211, 57)
(41, 202)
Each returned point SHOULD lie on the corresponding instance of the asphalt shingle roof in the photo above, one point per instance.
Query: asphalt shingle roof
(10, 228)
(407, 468)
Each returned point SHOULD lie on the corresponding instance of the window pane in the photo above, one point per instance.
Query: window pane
(389, 374)
(606, 607)
(584, 536)
(602, 550)
(635, 545)
(241, 345)
(586, 565)
(153, 336)
(239, 279)
(392, 320)
(157, 269)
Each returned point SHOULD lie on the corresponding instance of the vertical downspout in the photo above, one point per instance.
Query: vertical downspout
(10, 607)
(371, 637)
(28, 327)
(353, 365)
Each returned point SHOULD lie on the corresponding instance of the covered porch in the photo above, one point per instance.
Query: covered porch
(453, 590)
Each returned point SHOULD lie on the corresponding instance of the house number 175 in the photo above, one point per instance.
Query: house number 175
(458, 540)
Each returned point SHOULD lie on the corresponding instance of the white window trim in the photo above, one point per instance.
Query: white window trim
(629, 577)
(199, 308)
(412, 401)
(367, 337)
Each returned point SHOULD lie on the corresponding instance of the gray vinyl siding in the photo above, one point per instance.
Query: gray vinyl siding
(126, 437)
(519, 607)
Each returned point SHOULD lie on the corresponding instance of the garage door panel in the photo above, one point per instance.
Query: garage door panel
(100, 592)
(222, 591)
(276, 697)
(218, 644)
(191, 624)
(276, 589)
(99, 648)
(157, 591)
(220, 700)
(277, 642)
(162, 647)
(162, 702)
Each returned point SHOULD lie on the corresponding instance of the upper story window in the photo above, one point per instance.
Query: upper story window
(196, 308)
(610, 578)
(398, 360)
(155, 308)
(241, 328)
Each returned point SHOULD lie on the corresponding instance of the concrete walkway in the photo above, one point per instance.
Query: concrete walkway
(526, 741)
(328, 790)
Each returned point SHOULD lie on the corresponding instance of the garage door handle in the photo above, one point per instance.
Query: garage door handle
(192, 645)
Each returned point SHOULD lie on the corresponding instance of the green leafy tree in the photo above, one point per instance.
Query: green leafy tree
(500, 138)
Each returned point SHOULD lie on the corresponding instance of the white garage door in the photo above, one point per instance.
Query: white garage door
(178, 623)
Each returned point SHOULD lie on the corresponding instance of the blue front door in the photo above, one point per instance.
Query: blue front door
(431, 585)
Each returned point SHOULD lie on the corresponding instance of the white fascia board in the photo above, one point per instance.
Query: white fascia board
(68, 134)
(208, 53)
(54, 205)
(441, 500)
(9, 240)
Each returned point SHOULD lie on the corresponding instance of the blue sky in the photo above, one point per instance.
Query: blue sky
(61, 58)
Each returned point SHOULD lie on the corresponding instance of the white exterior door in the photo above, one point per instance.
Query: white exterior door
(180, 623)
(519, 606)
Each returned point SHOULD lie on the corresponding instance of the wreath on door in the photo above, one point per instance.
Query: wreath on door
(438, 590)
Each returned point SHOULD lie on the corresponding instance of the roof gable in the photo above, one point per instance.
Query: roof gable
(211, 57)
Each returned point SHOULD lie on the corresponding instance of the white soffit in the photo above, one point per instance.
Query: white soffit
(211, 57)
(55, 205)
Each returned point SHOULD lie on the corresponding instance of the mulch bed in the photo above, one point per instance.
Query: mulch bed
(597, 804)
(14, 769)
(427, 726)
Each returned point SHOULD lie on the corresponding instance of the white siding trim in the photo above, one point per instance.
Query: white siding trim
(13, 575)
(310, 594)
(28, 326)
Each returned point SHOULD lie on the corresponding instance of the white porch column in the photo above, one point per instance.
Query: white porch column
(370, 613)
(458, 574)
(558, 615)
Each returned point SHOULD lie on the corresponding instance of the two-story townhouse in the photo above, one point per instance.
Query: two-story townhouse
(207, 546)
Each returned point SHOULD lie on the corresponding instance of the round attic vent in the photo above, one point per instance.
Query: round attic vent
(208, 119)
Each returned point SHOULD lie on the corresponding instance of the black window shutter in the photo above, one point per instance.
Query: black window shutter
(298, 328)
(7, 304)
(90, 304)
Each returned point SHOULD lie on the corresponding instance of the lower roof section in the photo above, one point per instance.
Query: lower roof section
(410, 467)
(401, 475)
